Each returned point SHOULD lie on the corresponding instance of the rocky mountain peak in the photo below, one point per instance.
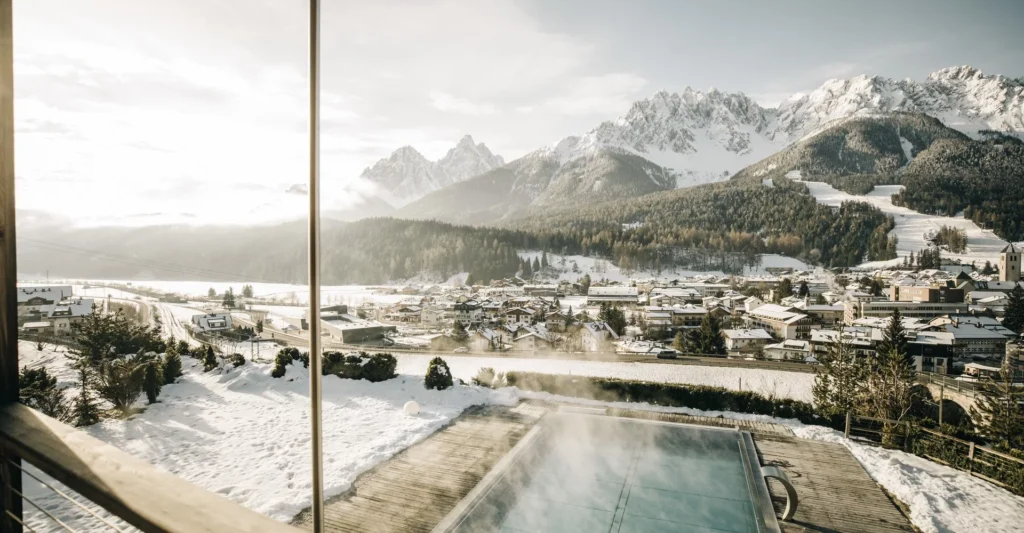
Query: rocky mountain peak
(407, 175)
(963, 72)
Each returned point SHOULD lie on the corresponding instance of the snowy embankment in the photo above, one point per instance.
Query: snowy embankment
(941, 499)
(778, 383)
(245, 435)
(911, 226)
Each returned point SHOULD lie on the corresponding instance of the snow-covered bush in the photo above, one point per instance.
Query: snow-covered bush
(120, 381)
(237, 359)
(374, 368)
(439, 376)
(484, 377)
(281, 361)
(380, 367)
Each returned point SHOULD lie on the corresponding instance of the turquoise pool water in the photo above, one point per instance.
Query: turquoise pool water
(588, 473)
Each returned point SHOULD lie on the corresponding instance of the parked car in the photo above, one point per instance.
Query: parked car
(461, 349)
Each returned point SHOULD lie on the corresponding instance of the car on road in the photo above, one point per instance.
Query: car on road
(461, 349)
(667, 354)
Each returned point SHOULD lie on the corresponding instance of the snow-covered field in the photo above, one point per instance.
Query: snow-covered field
(911, 226)
(604, 269)
(245, 435)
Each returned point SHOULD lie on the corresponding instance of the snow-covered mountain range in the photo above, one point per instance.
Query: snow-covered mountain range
(407, 175)
(704, 137)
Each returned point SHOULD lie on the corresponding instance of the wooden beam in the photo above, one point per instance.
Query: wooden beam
(10, 476)
(134, 490)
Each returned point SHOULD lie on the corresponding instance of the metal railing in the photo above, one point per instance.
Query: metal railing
(996, 467)
(967, 388)
(66, 480)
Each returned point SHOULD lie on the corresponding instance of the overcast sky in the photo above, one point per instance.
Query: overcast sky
(135, 112)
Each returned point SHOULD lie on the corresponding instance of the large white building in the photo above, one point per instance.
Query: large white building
(613, 295)
(783, 322)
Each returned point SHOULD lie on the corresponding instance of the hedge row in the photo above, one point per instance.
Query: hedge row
(665, 394)
(373, 368)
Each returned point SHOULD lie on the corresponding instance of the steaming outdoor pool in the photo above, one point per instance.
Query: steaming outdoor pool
(589, 473)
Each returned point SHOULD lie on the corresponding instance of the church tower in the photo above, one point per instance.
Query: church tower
(1009, 264)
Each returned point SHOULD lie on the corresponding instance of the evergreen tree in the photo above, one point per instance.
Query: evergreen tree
(536, 265)
(171, 367)
(894, 338)
(470, 280)
(569, 318)
(38, 390)
(890, 387)
(527, 269)
(211, 293)
(229, 299)
(803, 290)
(710, 339)
(544, 259)
(988, 270)
(459, 333)
(209, 359)
(259, 326)
(838, 379)
(785, 289)
(439, 376)
(614, 317)
(152, 380)
(585, 283)
(85, 412)
(679, 342)
(1014, 317)
(247, 291)
(998, 414)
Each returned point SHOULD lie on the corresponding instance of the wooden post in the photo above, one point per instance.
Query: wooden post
(942, 396)
(970, 457)
(847, 432)
(10, 474)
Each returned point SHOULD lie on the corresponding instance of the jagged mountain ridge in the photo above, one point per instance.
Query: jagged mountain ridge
(705, 137)
(407, 175)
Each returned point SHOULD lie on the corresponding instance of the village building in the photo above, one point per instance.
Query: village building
(745, 340)
(468, 313)
(782, 322)
(628, 296)
(789, 350)
(210, 322)
(884, 308)
(598, 337)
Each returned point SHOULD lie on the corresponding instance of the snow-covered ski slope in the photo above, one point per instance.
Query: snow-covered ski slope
(911, 226)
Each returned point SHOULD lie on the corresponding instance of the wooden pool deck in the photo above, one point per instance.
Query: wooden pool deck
(416, 489)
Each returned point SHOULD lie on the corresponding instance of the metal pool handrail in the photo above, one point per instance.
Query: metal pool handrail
(792, 501)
